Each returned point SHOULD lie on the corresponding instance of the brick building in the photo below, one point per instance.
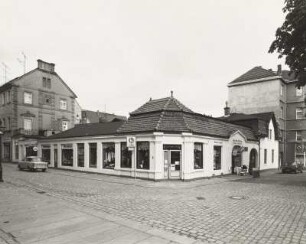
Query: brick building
(33, 106)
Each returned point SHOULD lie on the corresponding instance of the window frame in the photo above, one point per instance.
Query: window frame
(106, 163)
(63, 125)
(31, 122)
(299, 113)
(24, 97)
(299, 91)
(298, 135)
(196, 165)
(93, 157)
(265, 156)
(129, 154)
(63, 101)
(144, 164)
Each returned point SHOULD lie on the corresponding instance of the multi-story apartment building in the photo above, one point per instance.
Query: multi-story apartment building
(33, 106)
(260, 90)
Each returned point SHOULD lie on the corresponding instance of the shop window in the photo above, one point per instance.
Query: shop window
(108, 155)
(45, 153)
(27, 98)
(63, 104)
(80, 147)
(143, 155)
(198, 156)
(126, 156)
(217, 157)
(92, 155)
(265, 156)
(299, 113)
(67, 155)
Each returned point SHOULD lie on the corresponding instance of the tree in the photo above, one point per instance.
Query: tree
(290, 41)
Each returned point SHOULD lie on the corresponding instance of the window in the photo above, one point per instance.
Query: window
(299, 91)
(217, 157)
(27, 124)
(65, 125)
(8, 97)
(80, 147)
(108, 155)
(67, 155)
(126, 156)
(143, 155)
(282, 90)
(299, 113)
(16, 152)
(270, 134)
(272, 155)
(2, 99)
(27, 97)
(92, 155)
(282, 112)
(46, 82)
(299, 135)
(63, 104)
(45, 153)
(265, 156)
(198, 156)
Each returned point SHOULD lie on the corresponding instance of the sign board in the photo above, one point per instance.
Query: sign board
(172, 147)
(131, 141)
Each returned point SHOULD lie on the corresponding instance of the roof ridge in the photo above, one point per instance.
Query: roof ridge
(166, 104)
(159, 121)
(178, 104)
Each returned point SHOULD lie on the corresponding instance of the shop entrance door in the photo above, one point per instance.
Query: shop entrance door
(172, 164)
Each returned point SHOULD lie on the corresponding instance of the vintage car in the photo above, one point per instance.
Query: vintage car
(33, 163)
(292, 168)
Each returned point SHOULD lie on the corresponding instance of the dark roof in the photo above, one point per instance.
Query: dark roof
(164, 115)
(90, 129)
(256, 73)
(102, 117)
(163, 104)
(259, 122)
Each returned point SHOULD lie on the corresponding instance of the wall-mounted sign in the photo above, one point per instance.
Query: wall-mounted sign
(172, 147)
(131, 141)
(237, 142)
(35, 149)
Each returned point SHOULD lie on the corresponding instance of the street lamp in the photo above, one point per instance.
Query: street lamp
(1, 133)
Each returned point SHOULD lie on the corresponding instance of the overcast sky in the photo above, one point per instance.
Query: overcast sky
(119, 53)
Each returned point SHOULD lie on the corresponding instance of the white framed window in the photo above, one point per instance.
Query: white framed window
(63, 104)
(282, 90)
(299, 113)
(298, 136)
(27, 97)
(65, 125)
(299, 91)
(27, 124)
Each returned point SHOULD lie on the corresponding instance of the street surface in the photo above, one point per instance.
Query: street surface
(105, 209)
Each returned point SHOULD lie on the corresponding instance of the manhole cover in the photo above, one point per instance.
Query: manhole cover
(41, 192)
(200, 198)
(238, 197)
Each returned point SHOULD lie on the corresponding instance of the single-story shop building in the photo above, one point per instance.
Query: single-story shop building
(163, 139)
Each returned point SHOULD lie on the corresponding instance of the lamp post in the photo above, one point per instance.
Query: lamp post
(1, 170)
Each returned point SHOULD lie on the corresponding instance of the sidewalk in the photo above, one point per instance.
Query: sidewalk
(35, 217)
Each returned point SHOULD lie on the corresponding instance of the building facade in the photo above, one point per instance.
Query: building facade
(33, 106)
(163, 139)
(260, 90)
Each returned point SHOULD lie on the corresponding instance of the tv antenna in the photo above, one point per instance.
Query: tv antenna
(5, 68)
(23, 62)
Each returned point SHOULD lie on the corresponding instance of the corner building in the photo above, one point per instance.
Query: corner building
(172, 142)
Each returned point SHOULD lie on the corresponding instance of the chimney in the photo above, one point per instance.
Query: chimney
(279, 69)
(227, 110)
(45, 66)
(171, 93)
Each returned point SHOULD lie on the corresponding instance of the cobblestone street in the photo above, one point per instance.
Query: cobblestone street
(231, 209)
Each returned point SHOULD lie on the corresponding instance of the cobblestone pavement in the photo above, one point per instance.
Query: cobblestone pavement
(269, 209)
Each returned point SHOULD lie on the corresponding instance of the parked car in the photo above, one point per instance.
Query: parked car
(33, 163)
(292, 168)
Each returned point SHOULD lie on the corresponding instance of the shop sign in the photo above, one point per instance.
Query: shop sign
(131, 141)
(172, 147)
(237, 142)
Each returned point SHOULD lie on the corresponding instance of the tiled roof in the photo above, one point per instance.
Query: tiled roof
(256, 73)
(163, 115)
(96, 117)
(258, 122)
(165, 104)
(90, 129)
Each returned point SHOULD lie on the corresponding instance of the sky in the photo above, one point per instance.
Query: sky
(117, 54)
